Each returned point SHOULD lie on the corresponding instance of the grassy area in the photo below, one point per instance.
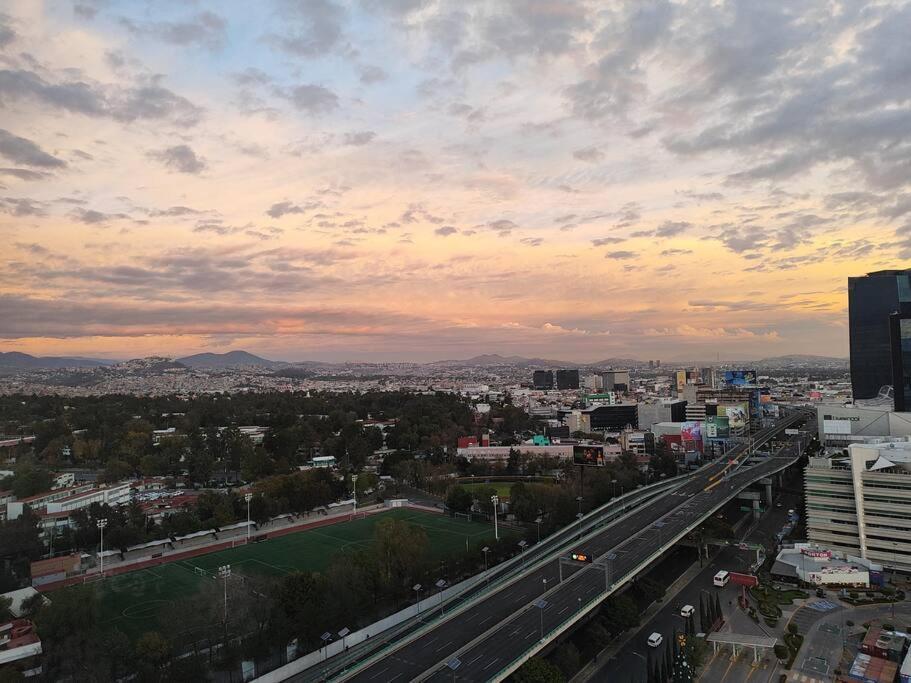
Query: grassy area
(132, 601)
(502, 487)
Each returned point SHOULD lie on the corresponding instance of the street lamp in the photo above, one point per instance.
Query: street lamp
(538, 521)
(522, 545)
(248, 497)
(354, 485)
(341, 634)
(541, 604)
(102, 523)
(441, 584)
(326, 637)
(579, 517)
(485, 550)
(417, 589)
(224, 572)
(495, 499)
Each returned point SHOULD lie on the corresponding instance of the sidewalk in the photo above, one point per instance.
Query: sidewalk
(592, 668)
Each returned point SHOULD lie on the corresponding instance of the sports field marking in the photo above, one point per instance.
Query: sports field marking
(144, 610)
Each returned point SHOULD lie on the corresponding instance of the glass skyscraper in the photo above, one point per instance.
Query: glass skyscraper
(872, 300)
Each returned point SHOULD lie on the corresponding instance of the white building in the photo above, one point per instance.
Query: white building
(823, 567)
(858, 504)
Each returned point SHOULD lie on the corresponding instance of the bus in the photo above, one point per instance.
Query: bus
(721, 578)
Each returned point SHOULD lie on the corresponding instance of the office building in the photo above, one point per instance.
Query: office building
(567, 379)
(615, 380)
(858, 504)
(577, 421)
(664, 410)
(593, 383)
(842, 425)
(613, 418)
(900, 345)
(543, 379)
(872, 299)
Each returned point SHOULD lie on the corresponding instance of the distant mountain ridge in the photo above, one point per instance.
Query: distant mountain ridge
(231, 359)
(14, 361)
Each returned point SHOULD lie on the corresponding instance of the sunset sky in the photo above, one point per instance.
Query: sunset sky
(419, 180)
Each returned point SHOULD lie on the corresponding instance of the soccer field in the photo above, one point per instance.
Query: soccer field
(132, 601)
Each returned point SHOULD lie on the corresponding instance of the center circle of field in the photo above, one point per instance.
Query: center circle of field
(143, 609)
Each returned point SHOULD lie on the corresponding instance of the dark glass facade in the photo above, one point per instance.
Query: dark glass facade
(543, 379)
(901, 359)
(567, 379)
(872, 300)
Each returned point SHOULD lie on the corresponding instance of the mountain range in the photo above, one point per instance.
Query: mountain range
(13, 362)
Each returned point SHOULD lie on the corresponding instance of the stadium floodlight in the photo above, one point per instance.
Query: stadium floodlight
(102, 523)
(224, 572)
(248, 497)
(354, 486)
(495, 499)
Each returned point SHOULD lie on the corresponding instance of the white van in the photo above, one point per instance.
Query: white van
(687, 611)
(655, 640)
(721, 578)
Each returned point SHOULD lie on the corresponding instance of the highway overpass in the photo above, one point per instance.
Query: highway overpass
(492, 633)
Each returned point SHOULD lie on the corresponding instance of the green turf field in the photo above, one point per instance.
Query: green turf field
(132, 601)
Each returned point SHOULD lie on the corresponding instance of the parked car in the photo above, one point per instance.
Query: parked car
(687, 611)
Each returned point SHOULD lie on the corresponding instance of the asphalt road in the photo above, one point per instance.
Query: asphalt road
(495, 631)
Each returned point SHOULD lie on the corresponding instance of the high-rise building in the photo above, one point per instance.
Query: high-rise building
(567, 379)
(872, 299)
(858, 504)
(900, 343)
(615, 380)
(651, 365)
(543, 379)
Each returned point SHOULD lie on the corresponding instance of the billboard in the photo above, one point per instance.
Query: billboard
(736, 414)
(739, 378)
(770, 410)
(691, 435)
(717, 427)
(588, 454)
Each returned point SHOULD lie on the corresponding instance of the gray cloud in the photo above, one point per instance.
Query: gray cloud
(93, 217)
(280, 209)
(621, 255)
(313, 99)
(24, 174)
(206, 29)
(22, 151)
(370, 74)
(7, 34)
(315, 27)
(359, 138)
(672, 228)
(143, 101)
(22, 206)
(590, 154)
(180, 158)
(446, 230)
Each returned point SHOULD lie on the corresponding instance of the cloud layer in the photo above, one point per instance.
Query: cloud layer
(426, 179)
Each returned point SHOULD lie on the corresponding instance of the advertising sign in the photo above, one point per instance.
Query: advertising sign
(736, 414)
(717, 427)
(588, 454)
(818, 554)
(691, 435)
(739, 378)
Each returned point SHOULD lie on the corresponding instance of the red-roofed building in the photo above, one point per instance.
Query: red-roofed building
(20, 647)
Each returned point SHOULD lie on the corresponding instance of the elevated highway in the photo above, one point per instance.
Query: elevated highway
(492, 633)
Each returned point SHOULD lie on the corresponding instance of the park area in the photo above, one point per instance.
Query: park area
(132, 601)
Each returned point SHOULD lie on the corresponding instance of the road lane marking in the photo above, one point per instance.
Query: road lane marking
(444, 645)
(492, 662)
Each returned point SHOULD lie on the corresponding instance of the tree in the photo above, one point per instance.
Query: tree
(152, 652)
(719, 615)
(6, 612)
(30, 479)
(459, 499)
(398, 547)
(538, 670)
(781, 651)
(622, 612)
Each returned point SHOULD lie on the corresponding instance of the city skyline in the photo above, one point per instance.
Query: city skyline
(429, 180)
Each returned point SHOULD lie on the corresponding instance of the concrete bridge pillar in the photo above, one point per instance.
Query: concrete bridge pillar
(768, 494)
(756, 509)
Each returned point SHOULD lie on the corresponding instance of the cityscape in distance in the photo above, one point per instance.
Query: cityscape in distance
(387, 341)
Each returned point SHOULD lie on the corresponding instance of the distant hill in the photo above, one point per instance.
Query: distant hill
(14, 361)
(493, 359)
(231, 359)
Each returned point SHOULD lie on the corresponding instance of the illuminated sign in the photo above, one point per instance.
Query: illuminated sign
(581, 557)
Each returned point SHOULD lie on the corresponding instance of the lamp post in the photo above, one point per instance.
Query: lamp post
(495, 499)
(522, 545)
(248, 497)
(541, 604)
(224, 572)
(354, 486)
(538, 521)
(441, 584)
(341, 634)
(417, 589)
(485, 550)
(102, 523)
(326, 637)
(579, 517)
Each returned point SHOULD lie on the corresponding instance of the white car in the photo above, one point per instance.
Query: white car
(655, 640)
(687, 611)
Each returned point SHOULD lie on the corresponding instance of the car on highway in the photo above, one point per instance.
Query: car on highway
(687, 611)
(655, 640)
